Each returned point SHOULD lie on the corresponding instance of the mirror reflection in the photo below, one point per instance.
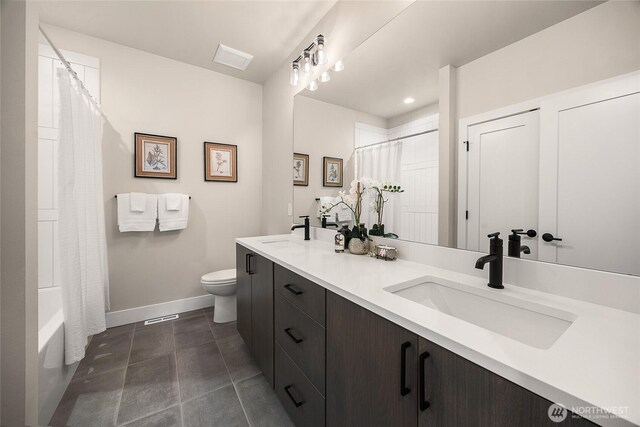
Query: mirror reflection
(480, 119)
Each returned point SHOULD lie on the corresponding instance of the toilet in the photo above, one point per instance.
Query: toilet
(222, 284)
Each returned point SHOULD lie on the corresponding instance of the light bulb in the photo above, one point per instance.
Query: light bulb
(295, 74)
(338, 66)
(325, 77)
(321, 57)
(313, 85)
(306, 66)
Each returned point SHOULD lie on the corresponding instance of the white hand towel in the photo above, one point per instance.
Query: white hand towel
(137, 221)
(138, 202)
(173, 220)
(174, 201)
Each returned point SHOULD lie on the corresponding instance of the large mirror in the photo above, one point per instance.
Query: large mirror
(490, 116)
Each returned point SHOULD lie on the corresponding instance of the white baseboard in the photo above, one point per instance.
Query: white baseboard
(138, 314)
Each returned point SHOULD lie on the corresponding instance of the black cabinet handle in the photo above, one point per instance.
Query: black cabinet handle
(293, 399)
(424, 403)
(293, 337)
(548, 237)
(293, 289)
(248, 263)
(404, 390)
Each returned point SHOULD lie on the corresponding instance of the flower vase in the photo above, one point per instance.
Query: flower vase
(359, 243)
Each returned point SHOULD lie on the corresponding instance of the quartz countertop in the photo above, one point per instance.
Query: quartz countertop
(594, 363)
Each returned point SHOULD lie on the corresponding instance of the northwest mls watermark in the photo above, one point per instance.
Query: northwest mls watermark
(558, 413)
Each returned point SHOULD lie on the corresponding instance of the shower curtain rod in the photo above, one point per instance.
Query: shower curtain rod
(397, 139)
(67, 65)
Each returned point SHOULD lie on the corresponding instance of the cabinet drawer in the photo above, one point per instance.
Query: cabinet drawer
(302, 293)
(302, 338)
(303, 403)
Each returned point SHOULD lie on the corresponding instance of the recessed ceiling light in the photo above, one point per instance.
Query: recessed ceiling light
(231, 57)
(409, 100)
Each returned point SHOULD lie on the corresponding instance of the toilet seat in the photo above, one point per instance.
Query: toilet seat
(222, 277)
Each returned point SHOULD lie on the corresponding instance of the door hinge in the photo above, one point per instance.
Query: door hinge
(467, 143)
(466, 214)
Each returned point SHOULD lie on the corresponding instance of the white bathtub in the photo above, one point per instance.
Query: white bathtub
(53, 374)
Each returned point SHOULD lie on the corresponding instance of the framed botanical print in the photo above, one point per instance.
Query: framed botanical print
(220, 162)
(331, 172)
(300, 169)
(155, 156)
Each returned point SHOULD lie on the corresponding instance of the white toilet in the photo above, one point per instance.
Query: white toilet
(222, 284)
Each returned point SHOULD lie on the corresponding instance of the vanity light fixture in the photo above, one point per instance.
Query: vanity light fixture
(325, 77)
(409, 100)
(309, 59)
(338, 66)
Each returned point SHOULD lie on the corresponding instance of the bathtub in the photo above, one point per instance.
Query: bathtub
(53, 375)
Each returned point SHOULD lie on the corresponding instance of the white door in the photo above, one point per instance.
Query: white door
(590, 177)
(502, 180)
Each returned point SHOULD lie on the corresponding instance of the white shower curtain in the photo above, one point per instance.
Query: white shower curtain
(381, 162)
(82, 245)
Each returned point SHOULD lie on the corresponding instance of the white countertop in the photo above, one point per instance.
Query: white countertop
(595, 362)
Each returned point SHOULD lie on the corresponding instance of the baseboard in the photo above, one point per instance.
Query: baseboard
(138, 314)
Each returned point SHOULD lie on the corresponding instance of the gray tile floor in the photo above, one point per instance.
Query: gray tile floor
(189, 372)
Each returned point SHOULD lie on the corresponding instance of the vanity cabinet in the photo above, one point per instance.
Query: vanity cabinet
(254, 278)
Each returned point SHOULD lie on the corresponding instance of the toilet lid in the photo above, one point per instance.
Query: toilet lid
(222, 276)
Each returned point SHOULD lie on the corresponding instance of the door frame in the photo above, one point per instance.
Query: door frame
(512, 110)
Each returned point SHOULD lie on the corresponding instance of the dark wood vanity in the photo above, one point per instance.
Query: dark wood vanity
(335, 363)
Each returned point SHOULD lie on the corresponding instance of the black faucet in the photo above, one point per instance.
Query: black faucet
(495, 259)
(514, 242)
(326, 224)
(306, 227)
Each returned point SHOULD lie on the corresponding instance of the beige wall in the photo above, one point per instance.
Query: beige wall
(347, 25)
(142, 92)
(18, 214)
(597, 44)
(321, 129)
(420, 113)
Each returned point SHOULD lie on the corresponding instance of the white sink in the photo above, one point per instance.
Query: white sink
(530, 323)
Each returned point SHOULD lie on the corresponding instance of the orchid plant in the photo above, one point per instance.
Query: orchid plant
(379, 199)
(352, 200)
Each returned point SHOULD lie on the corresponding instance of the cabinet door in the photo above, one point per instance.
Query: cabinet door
(461, 393)
(262, 314)
(243, 293)
(371, 371)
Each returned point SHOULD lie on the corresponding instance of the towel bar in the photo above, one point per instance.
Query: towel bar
(116, 196)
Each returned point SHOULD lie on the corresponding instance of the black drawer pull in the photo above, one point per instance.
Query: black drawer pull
(293, 337)
(404, 390)
(293, 289)
(248, 263)
(424, 403)
(293, 399)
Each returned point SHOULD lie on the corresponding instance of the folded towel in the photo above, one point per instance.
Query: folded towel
(173, 219)
(174, 201)
(138, 202)
(344, 215)
(137, 221)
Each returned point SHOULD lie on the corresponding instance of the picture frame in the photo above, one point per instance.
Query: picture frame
(301, 169)
(220, 162)
(155, 156)
(332, 172)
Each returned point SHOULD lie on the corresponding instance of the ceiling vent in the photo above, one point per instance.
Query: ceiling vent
(231, 57)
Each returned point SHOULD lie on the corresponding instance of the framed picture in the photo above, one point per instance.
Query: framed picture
(155, 156)
(300, 169)
(220, 162)
(331, 172)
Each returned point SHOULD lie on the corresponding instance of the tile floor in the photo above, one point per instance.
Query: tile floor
(189, 372)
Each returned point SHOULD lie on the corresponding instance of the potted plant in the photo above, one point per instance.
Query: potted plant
(359, 242)
(379, 190)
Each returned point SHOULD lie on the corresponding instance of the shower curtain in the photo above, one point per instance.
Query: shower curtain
(381, 162)
(82, 246)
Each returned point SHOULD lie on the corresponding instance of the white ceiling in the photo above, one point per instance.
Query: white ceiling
(403, 58)
(190, 31)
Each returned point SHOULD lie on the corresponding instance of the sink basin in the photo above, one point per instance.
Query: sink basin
(533, 324)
